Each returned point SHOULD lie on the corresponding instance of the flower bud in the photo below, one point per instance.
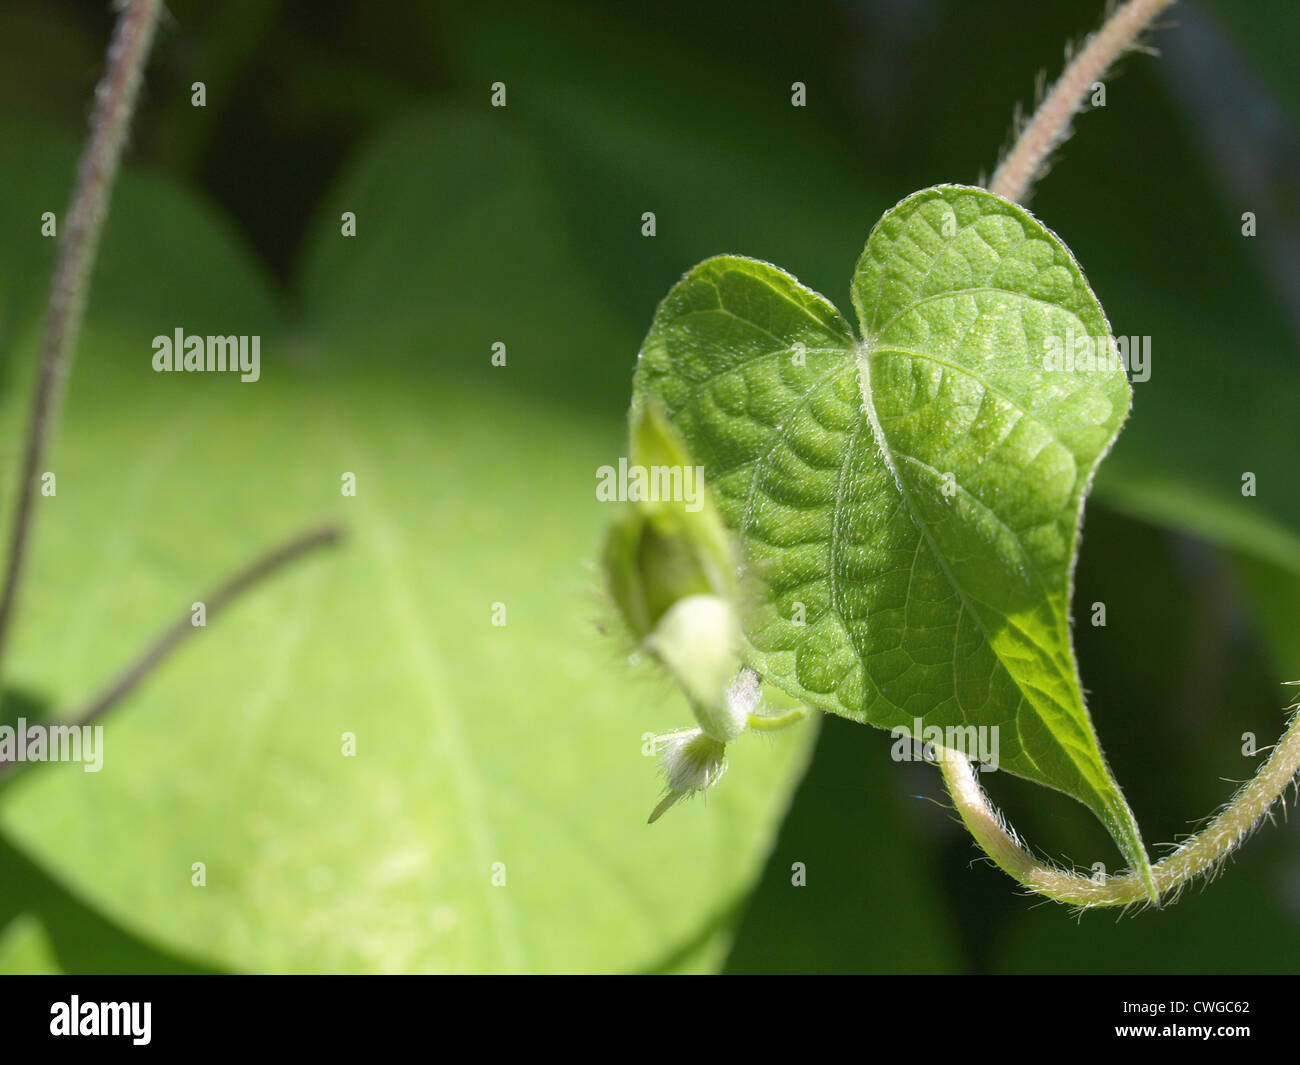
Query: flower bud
(692, 762)
(660, 551)
(696, 640)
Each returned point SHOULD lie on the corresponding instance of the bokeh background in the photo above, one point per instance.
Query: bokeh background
(516, 749)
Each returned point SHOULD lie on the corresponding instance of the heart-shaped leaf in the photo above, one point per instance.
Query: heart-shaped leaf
(911, 500)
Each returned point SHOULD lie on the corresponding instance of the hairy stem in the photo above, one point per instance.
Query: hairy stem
(1197, 856)
(114, 101)
(1201, 854)
(1024, 164)
(175, 634)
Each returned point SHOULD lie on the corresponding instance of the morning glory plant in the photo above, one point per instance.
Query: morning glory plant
(901, 491)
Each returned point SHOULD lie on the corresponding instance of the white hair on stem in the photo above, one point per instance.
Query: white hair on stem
(1051, 123)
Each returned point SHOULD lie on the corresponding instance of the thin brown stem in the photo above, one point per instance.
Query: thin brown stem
(175, 634)
(114, 102)
(1024, 164)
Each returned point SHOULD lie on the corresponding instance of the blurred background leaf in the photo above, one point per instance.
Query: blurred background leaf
(24, 948)
(475, 745)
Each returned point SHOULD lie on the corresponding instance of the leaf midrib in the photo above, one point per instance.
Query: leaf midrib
(464, 767)
(865, 353)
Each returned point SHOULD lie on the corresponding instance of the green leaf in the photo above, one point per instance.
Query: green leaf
(475, 744)
(25, 949)
(912, 498)
(81, 939)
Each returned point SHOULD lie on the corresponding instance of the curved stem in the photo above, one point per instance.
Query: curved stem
(183, 627)
(1195, 857)
(1023, 165)
(114, 101)
(776, 722)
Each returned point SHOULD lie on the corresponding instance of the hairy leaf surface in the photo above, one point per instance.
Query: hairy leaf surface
(911, 498)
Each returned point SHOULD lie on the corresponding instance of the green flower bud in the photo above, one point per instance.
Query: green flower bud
(696, 640)
(659, 550)
(672, 573)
